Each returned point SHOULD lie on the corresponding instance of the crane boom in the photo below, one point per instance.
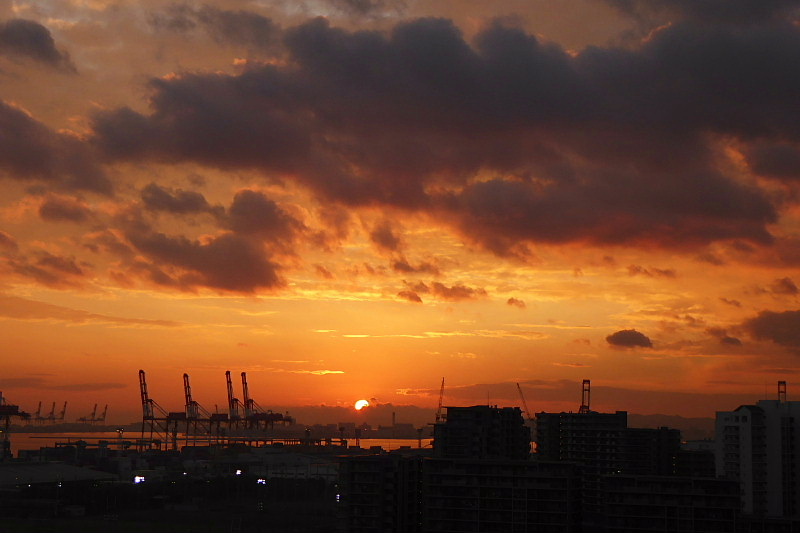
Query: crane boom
(524, 403)
(439, 409)
(233, 402)
(191, 405)
(248, 402)
(147, 403)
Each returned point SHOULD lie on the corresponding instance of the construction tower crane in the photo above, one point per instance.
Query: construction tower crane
(524, 403)
(439, 409)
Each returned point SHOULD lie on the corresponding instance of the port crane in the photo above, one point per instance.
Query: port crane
(7, 411)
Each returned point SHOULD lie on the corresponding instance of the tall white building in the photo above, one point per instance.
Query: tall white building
(759, 446)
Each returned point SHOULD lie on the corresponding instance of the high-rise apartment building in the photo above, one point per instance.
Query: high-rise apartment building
(759, 447)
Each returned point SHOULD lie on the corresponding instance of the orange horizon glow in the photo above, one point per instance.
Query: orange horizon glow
(366, 198)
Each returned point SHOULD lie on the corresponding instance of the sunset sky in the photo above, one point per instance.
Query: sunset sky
(352, 199)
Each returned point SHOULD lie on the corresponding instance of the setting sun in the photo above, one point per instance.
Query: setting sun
(360, 404)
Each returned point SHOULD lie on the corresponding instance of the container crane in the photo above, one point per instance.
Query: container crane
(255, 415)
(103, 416)
(6, 412)
(37, 416)
(91, 418)
(234, 405)
(51, 416)
(63, 413)
(153, 416)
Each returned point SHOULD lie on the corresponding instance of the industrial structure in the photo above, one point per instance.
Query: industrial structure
(244, 420)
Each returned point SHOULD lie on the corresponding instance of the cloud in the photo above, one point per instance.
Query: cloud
(781, 327)
(18, 308)
(729, 301)
(176, 201)
(226, 262)
(369, 7)
(88, 386)
(456, 292)
(629, 338)
(385, 238)
(29, 150)
(252, 213)
(780, 160)
(709, 11)
(784, 286)
(404, 267)
(634, 270)
(49, 269)
(62, 209)
(520, 114)
(31, 40)
(515, 302)
(411, 296)
(724, 338)
(8, 242)
(242, 28)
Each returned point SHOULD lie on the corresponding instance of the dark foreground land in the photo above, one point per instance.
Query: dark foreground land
(210, 506)
(289, 518)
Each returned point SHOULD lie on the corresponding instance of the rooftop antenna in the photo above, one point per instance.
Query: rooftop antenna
(586, 397)
(781, 392)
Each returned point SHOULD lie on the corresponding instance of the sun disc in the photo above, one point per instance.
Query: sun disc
(360, 404)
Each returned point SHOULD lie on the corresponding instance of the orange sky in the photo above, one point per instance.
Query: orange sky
(351, 199)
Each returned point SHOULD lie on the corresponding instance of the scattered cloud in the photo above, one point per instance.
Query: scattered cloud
(516, 302)
(629, 338)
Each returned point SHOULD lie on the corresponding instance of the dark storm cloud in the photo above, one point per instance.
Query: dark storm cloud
(606, 146)
(629, 338)
(774, 159)
(29, 39)
(710, 11)
(779, 327)
(225, 262)
(31, 151)
(178, 201)
(60, 209)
